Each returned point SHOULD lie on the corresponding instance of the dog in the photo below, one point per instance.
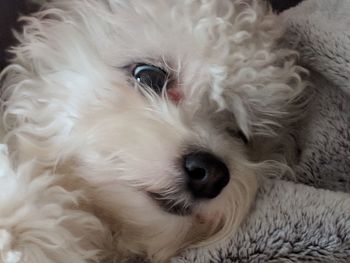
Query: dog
(127, 126)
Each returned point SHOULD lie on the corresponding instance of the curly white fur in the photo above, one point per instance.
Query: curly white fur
(87, 144)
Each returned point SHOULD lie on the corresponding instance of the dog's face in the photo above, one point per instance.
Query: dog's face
(151, 104)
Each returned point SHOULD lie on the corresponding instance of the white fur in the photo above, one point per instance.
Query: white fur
(87, 143)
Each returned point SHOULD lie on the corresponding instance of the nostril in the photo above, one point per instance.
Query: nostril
(206, 174)
(196, 173)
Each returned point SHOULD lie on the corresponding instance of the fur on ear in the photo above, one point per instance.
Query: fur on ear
(265, 83)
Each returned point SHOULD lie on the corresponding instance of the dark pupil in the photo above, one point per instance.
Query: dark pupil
(151, 76)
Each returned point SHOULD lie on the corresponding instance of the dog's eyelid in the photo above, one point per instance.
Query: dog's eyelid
(141, 66)
(150, 76)
(131, 66)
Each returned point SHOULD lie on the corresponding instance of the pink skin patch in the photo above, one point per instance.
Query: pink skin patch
(205, 219)
(175, 95)
(200, 219)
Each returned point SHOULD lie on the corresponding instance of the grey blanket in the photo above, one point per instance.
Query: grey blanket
(301, 221)
(289, 223)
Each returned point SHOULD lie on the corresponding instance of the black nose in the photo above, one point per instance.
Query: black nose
(206, 174)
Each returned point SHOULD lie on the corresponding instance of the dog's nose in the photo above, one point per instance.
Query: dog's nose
(206, 174)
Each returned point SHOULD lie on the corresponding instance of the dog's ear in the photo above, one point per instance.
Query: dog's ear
(263, 84)
(267, 97)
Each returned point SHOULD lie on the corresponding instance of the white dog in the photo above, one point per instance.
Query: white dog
(127, 124)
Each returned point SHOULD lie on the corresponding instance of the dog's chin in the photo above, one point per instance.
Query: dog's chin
(172, 205)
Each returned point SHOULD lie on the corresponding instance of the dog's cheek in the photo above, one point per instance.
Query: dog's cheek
(145, 227)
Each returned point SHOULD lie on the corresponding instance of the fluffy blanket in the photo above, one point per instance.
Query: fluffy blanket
(302, 221)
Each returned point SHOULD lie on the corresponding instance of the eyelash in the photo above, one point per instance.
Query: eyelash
(157, 79)
(151, 76)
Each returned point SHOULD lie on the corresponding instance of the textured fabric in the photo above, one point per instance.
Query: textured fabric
(289, 223)
(325, 139)
(293, 222)
(319, 30)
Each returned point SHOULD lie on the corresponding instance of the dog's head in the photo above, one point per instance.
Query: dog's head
(151, 103)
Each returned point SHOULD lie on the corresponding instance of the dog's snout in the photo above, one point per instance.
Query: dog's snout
(206, 174)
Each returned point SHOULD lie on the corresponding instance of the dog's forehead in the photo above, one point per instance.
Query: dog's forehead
(175, 30)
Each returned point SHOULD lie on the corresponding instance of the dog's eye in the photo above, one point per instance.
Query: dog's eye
(151, 76)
